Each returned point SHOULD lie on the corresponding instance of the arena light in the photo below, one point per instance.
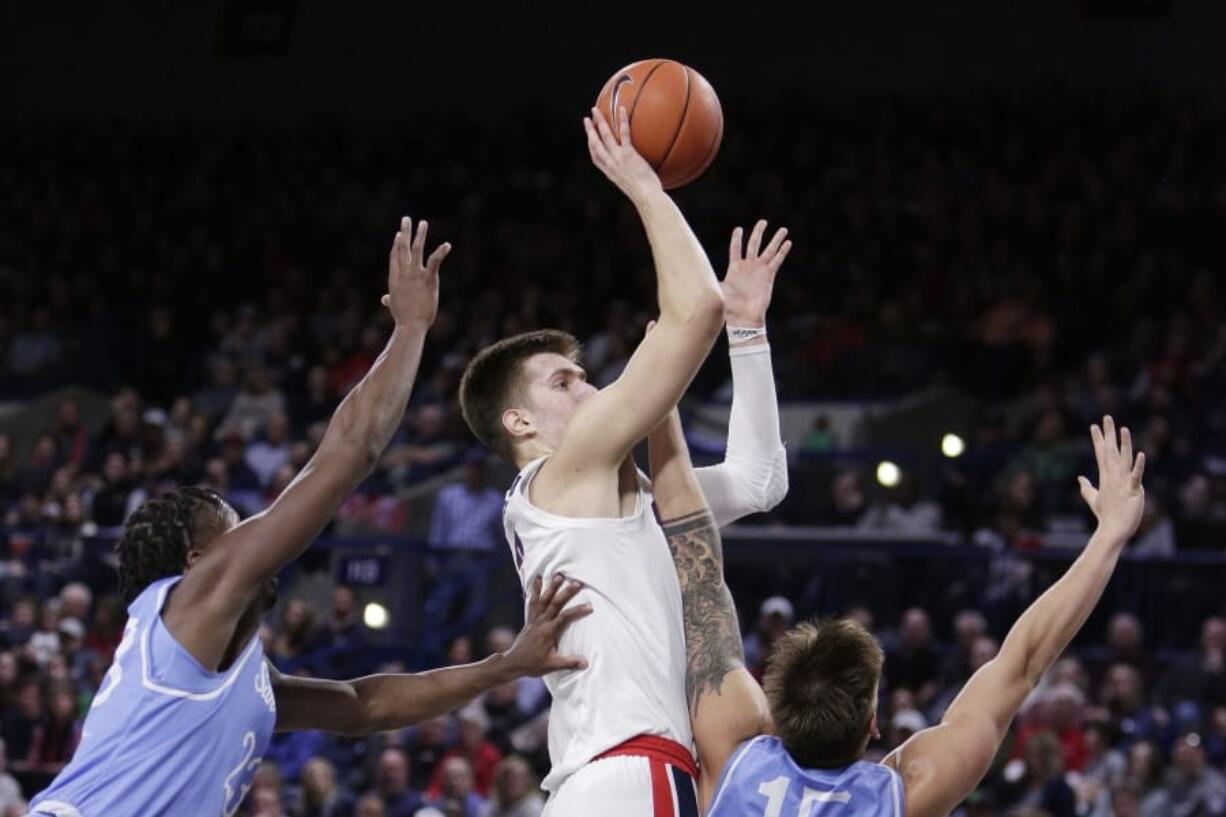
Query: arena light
(952, 445)
(888, 474)
(375, 615)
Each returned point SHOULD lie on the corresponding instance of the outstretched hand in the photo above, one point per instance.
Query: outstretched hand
(535, 651)
(1119, 500)
(617, 157)
(750, 279)
(412, 278)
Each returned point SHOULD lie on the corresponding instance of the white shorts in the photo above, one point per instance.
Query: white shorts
(649, 784)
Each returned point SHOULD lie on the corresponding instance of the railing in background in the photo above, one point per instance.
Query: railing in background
(432, 596)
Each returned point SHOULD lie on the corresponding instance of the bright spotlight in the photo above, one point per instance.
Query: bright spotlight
(888, 474)
(375, 615)
(952, 445)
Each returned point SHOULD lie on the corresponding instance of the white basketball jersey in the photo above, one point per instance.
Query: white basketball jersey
(634, 640)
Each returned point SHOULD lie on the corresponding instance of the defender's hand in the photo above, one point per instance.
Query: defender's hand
(617, 158)
(1119, 500)
(535, 651)
(750, 279)
(412, 279)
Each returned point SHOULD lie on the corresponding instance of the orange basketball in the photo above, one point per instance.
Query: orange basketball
(675, 119)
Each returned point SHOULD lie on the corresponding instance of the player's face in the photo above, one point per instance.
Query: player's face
(556, 387)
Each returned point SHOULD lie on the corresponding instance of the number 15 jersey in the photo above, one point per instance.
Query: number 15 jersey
(762, 780)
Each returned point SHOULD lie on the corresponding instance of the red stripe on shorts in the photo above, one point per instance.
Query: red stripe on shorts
(661, 752)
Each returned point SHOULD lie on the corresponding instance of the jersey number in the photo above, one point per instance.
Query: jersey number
(776, 791)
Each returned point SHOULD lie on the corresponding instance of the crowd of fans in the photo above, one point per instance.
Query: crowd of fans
(221, 290)
(1114, 730)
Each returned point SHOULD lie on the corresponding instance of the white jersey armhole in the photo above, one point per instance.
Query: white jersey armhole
(227, 679)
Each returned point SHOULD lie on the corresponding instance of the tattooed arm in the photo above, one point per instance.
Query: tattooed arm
(726, 704)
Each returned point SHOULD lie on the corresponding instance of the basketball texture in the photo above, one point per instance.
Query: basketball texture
(675, 119)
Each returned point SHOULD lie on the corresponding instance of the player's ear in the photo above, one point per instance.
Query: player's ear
(517, 422)
(193, 556)
(873, 729)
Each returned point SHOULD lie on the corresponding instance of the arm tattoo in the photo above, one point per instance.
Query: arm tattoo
(712, 633)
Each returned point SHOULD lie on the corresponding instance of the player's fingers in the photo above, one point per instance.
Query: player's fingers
(534, 597)
(777, 261)
(623, 126)
(1111, 446)
(561, 598)
(572, 614)
(600, 154)
(776, 242)
(755, 239)
(567, 662)
(602, 128)
(436, 257)
(1138, 470)
(1126, 447)
(419, 242)
(1096, 435)
(736, 250)
(1088, 492)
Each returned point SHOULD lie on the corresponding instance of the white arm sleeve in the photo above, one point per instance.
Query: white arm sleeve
(753, 477)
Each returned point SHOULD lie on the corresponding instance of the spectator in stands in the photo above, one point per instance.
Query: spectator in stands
(269, 452)
(1104, 771)
(983, 650)
(296, 633)
(969, 626)
(392, 784)
(775, 616)
(1122, 699)
(902, 510)
(428, 743)
(915, 660)
(55, 737)
(8, 469)
(502, 709)
(343, 634)
(1192, 786)
(254, 406)
(71, 436)
(1126, 644)
(265, 803)
(320, 795)
(456, 796)
(1201, 677)
(318, 404)
(370, 805)
(468, 514)
(21, 623)
(34, 476)
(22, 719)
(45, 642)
(1058, 713)
(516, 791)
(1042, 785)
(112, 500)
(480, 755)
(847, 504)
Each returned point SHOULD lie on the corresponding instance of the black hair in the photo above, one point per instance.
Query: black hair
(158, 536)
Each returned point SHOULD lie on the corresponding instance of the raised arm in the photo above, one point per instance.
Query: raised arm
(380, 703)
(726, 704)
(942, 765)
(609, 424)
(753, 478)
(222, 582)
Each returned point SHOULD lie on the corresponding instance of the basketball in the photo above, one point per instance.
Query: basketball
(676, 122)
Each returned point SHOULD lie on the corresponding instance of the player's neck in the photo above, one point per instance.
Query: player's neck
(530, 451)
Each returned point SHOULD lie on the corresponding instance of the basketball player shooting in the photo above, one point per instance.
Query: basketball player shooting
(580, 507)
(795, 749)
(184, 714)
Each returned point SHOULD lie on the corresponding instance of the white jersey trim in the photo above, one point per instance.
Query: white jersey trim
(730, 770)
(895, 783)
(153, 686)
(641, 505)
(57, 808)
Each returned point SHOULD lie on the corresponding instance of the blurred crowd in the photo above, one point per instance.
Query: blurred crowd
(221, 287)
(1053, 258)
(1116, 729)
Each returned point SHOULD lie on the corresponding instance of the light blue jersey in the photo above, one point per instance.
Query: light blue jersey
(762, 780)
(164, 736)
